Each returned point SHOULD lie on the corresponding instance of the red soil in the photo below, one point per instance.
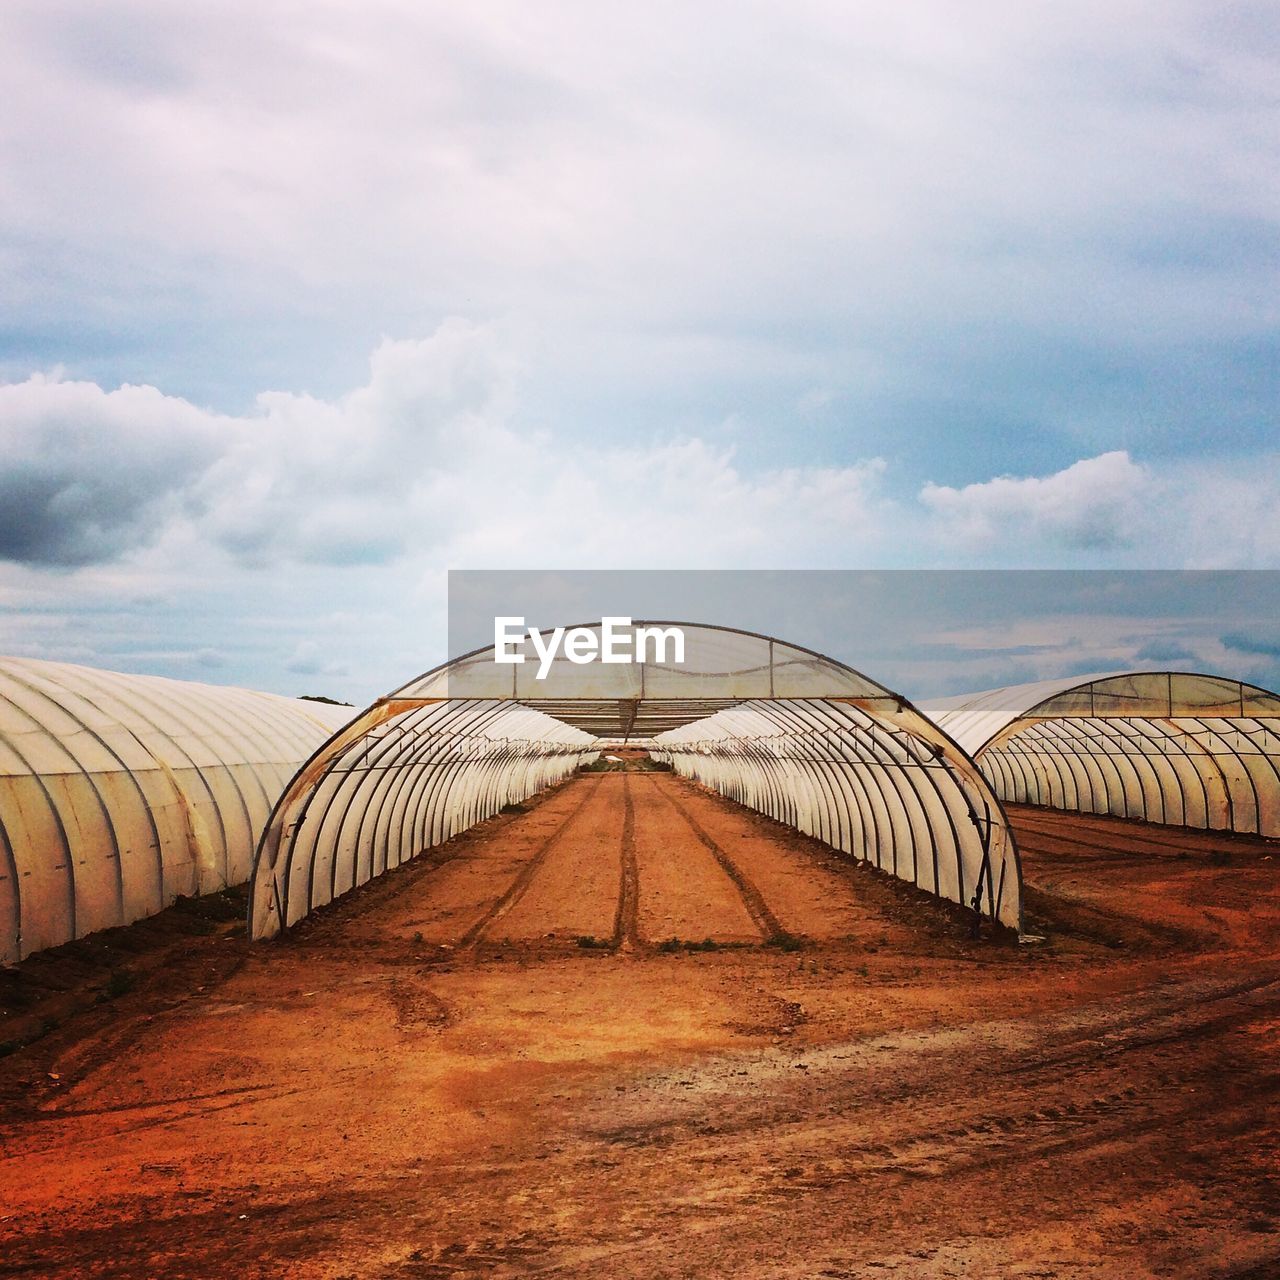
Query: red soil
(495, 1062)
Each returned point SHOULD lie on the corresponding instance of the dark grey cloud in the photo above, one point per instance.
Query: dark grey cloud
(86, 475)
(55, 516)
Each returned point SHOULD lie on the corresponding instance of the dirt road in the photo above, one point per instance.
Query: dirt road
(636, 1031)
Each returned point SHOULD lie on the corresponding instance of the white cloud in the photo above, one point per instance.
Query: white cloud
(420, 463)
(343, 481)
(795, 187)
(1097, 504)
(308, 660)
(814, 400)
(852, 239)
(424, 466)
(304, 541)
(1225, 513)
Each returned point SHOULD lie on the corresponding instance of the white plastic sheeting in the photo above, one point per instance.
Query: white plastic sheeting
(406, 775)
(882, 785)
(1181, 748)
(777, 727)
(120, 792)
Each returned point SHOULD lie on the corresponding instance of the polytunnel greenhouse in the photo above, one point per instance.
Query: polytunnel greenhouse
(776, 727)
(1162, 746)
(118, 793)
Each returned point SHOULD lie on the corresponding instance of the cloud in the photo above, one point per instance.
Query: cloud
(1094, 504)
(343, 482)
(433, 462)
(306, 660)
(1263, 646)
(1224, 513)
(423, 461)
(1164, 651)
(814, 400)
(86, 474)
(719, 212)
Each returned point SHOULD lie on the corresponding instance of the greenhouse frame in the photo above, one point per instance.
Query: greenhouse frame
(779, 728)
(1174, 747)
(118, 793)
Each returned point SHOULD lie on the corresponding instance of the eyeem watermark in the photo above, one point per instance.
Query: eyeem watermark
(614, 640)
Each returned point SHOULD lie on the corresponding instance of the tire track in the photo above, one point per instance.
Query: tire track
(164, 1111)
(626, 928)
(1131, 832)
(1107, 1063)
(344, 915)
(520, 885)
(940, 1139)
(1055, 844)
(762, 917)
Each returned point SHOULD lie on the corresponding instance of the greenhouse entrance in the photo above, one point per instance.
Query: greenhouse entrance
(779, 729)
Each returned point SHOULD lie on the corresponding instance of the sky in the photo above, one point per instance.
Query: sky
(304, 305)
(925, 633)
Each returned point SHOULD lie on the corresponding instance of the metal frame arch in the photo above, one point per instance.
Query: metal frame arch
(921, 807)
(1241, 759)
(1174, 732)
(441, 792)
(812, 741)
(900, 812)
(91, 777)
(1268, 757)
(369, 770)
(17, 948)
(411, 688)
(369, 782)
(140, 700)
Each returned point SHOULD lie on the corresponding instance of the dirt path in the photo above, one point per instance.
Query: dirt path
(636, 1031)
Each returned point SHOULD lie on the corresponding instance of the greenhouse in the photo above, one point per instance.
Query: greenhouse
(1161, 746)
(778, 728)
(118, 793)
